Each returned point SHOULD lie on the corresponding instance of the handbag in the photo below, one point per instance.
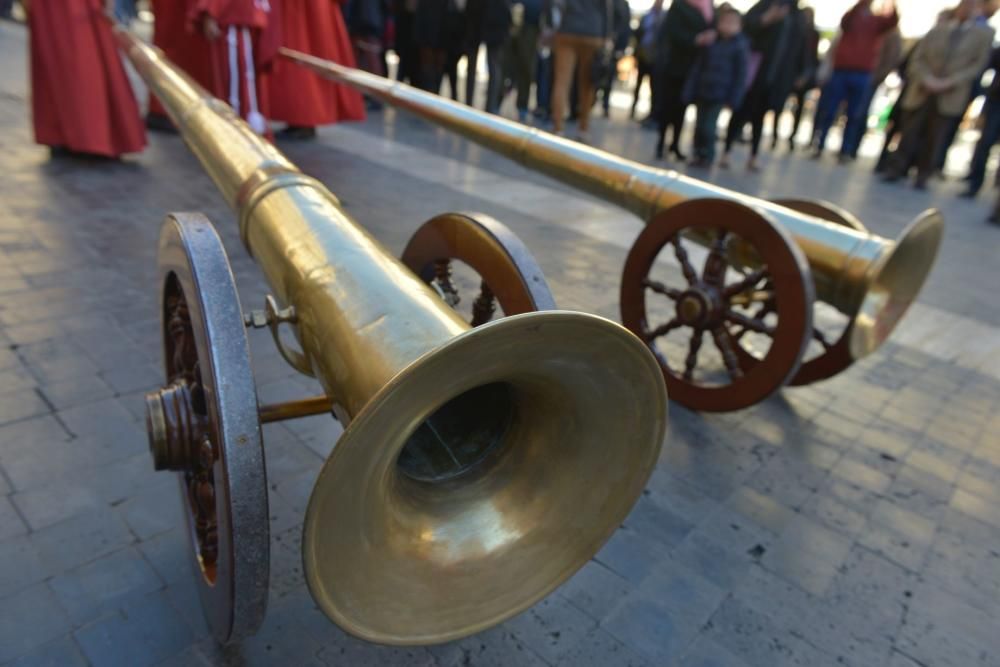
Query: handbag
(603, 64)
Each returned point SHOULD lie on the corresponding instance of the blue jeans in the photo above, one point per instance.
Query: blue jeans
(543, 81)
(706, 130)
(844, 85)
(988, 139)
(853, 139)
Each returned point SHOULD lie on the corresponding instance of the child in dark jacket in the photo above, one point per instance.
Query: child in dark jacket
(718, 79)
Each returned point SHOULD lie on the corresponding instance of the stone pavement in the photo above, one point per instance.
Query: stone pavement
(855, 522)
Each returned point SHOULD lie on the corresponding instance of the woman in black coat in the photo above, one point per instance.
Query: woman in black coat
(777, 32)
(687, 27)
(430, 36)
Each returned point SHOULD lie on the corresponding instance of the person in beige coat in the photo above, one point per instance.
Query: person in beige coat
(942, 71)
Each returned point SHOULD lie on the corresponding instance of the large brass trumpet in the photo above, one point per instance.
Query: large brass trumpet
(870, 279)
(479, 468)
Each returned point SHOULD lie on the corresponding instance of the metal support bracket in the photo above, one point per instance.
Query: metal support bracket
(272, 317)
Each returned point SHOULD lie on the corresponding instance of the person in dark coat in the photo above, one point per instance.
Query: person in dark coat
(718, 79)
(776, 29)
(687, 27)
(455, 37)
(622, 35)
(486, 21)
(645, 51)
(431, 40)
(521, 51)
(404, 16)
(805, 83)
(990, 133)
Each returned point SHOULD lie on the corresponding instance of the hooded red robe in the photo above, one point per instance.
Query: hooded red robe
(243, 54)
(184, 47)
(81, 98)
(299, 96)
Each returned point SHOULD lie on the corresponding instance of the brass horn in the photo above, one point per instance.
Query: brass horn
(479, 468)
(870, 279)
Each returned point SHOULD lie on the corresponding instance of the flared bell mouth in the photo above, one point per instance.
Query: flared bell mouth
(483, 476)
(897, 279)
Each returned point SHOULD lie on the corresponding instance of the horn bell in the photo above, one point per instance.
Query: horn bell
(483, 476)
(894, 281)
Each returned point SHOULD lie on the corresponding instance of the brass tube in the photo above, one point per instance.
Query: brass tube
(839, 257)
(345, 286)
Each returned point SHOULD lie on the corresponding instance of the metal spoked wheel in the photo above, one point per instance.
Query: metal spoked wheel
(507, 272)
(826, 355)
(203, 424)
(754, 291)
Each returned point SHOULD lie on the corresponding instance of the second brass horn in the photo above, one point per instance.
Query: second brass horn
(479, 468)
(870, 279)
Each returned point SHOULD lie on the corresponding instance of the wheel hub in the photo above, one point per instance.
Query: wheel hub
(173, 428)
(695, 308)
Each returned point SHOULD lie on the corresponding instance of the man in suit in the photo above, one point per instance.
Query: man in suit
(942, 71)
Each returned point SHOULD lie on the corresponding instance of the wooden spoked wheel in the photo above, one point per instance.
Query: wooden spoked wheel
(203, 424)
(827, 354)
(507, 272)
(754, 290)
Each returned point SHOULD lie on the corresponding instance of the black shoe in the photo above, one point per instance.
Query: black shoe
(676, 152)
(297, 133)
(920, 184)
(63, 153)
(659, 152)
(157, 122)
(969, 194)
(891, 177)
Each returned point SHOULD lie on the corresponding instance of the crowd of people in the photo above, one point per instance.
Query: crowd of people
(690, 52)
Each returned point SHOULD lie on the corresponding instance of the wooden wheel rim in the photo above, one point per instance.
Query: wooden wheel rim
(793, 290)
(491, 249)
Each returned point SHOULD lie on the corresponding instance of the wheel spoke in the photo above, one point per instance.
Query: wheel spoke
(715, 264)
(682, 256)
(660, 288)
(748, 298)
(751, 324)
(442, 277)
(727, 348)
(748, 282)
(484, 306)
(821, 337)
(692, 358)
(661, 330)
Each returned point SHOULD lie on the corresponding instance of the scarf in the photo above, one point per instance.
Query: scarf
(705, 7)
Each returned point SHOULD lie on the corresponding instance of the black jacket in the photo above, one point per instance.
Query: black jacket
(675, 47)
(719, 73)
(780, 46)
(486, 21)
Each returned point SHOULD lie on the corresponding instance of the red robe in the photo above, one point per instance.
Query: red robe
(300, 97)
(184, 47)
(81, 98)
(243, 54)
